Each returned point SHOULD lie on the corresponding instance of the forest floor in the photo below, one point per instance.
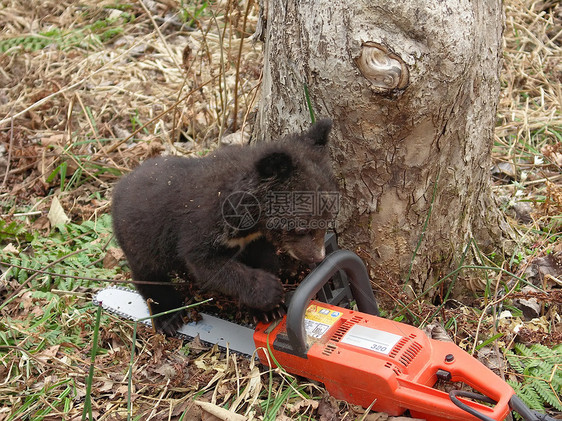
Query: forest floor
(90, 89)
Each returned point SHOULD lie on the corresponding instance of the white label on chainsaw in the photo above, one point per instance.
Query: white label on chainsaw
(318, 319)
(372, 339)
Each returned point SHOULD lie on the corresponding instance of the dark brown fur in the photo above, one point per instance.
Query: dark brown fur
(169, 217)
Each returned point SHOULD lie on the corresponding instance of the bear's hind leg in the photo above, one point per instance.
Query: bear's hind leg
(162, 298)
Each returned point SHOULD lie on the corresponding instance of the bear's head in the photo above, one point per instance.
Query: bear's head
(298, 192)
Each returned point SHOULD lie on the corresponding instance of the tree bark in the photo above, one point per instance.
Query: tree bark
(412, 87)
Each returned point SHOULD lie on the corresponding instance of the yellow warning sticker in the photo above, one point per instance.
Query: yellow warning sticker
(318, 319)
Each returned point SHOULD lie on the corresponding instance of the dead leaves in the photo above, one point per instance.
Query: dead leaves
(553, 153)
(56, 214)
(552, 205)
(77, 171)
(112, 257)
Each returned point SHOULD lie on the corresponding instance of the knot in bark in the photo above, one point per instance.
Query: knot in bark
(385, 71)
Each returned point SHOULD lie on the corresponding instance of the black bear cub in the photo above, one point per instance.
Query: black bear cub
(225, 220)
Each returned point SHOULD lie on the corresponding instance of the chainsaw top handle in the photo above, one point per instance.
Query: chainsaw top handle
(360, 286)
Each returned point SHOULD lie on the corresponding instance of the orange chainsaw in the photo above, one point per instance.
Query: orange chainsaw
(360, 357)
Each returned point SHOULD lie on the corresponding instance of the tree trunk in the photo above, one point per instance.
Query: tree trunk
(412, 87)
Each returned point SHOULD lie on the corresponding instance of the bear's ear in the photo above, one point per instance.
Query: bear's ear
(319, 132)
(275, 165)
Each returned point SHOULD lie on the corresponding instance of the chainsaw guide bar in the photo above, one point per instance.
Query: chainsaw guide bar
(212, 330)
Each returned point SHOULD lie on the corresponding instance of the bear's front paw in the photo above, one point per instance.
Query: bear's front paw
(265, 293)
(268, 316)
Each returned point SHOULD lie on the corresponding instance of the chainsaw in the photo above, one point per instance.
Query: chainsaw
(360, 357)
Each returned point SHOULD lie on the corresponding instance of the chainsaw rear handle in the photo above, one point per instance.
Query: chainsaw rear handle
(458, 366)
(360, 286)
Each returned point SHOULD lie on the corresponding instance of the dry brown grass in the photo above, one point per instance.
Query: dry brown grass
(529, 132)
(529, 112)
(100, 104)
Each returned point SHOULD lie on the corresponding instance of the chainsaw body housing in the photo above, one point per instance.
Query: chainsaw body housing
(382, 364)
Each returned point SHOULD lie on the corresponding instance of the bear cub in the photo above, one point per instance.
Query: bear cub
(224, 221)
